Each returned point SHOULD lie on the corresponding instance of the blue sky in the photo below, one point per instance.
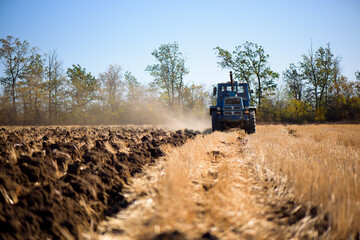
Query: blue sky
(96, 34)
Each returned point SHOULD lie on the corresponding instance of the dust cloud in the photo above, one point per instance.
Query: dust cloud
(172, 118)
(186, 120)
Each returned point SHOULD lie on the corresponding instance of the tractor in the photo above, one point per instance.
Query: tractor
(233, 107)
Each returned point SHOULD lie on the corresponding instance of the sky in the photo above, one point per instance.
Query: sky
(96, 34)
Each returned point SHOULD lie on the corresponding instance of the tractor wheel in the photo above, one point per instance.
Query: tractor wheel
(215, 124)
(251, 127)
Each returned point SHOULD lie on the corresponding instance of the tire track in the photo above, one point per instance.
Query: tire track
(205, 189)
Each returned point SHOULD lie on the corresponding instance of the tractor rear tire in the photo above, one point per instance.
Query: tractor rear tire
(215, 124)
(251, 127)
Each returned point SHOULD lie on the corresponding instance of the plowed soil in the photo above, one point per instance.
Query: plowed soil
(59, 182)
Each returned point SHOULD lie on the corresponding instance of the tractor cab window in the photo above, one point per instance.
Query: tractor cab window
(241, 89)
(241, 92)
(225, 91)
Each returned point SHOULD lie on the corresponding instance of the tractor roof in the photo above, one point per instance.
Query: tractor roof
(235, 83)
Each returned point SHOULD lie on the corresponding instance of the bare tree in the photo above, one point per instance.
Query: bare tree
(111, 82)
(135, 93)
(54, 85)
(31, 91)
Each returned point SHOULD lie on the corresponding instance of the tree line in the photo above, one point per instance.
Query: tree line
(314, 90)
(36, 90)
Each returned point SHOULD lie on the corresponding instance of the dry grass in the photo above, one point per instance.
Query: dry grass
(198, 194)
(321, 163)
(205, 186)
(171, 196)
(211, 185)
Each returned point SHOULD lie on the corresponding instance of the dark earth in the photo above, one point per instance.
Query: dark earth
(57, 182)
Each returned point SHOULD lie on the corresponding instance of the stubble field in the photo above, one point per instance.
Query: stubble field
(284, 182)
(321, 164)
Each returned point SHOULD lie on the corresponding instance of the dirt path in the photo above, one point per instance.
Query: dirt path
(206, 189)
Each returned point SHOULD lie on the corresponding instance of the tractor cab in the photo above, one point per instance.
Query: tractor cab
(232, 107)
(224, 91)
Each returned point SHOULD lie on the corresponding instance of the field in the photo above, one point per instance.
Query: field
(321, 163)
(284, 182)
(59, 182)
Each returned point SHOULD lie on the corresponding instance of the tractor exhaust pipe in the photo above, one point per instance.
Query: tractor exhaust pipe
(232, 81)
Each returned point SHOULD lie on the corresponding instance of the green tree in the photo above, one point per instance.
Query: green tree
(357, 84)
(321, 70)
(317, 86)
(250, 64)
(15, 56)
(294, 82)
(344, 100)
(83, 87)
(236, 61)
(169, 73)
(297, 110)
(325, 63)
(357, 75)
